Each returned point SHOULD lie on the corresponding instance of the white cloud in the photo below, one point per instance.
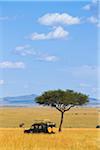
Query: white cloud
(57, 33)
(27, 50)
(48, 58)
(91, 5)
(12, 65)
(1, 82)
(24, 50)
(94, 20)
(87, 7)
(22, 47)
(53, 19)
(10, 18)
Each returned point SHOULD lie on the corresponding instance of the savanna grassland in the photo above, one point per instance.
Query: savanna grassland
(69, 139)
(75, 118)
(78, 133)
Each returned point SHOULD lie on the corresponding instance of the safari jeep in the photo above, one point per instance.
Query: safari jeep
(42, 127)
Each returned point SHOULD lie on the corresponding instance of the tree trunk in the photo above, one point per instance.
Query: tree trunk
(62, 116)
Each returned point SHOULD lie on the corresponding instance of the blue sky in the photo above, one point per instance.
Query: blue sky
(48, 45)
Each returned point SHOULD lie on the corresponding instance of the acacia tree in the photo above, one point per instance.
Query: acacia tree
(62, 100)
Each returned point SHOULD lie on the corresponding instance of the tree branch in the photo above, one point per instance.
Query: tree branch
(69, 108)
(57, 107)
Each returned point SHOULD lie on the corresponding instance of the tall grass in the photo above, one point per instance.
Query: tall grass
(69, 139)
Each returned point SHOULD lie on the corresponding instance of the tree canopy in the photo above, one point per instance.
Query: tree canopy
(61, 97)
(62, 100)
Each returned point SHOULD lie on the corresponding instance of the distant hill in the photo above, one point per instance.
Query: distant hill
(93, 102)
(28, 101)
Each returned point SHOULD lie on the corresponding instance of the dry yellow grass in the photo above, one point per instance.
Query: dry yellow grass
(69, 139)
(86, 137)
(75, 118)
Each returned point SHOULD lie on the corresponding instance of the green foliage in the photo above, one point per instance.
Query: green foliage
(61, 97)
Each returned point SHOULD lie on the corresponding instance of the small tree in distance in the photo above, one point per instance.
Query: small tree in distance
(62, 100)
